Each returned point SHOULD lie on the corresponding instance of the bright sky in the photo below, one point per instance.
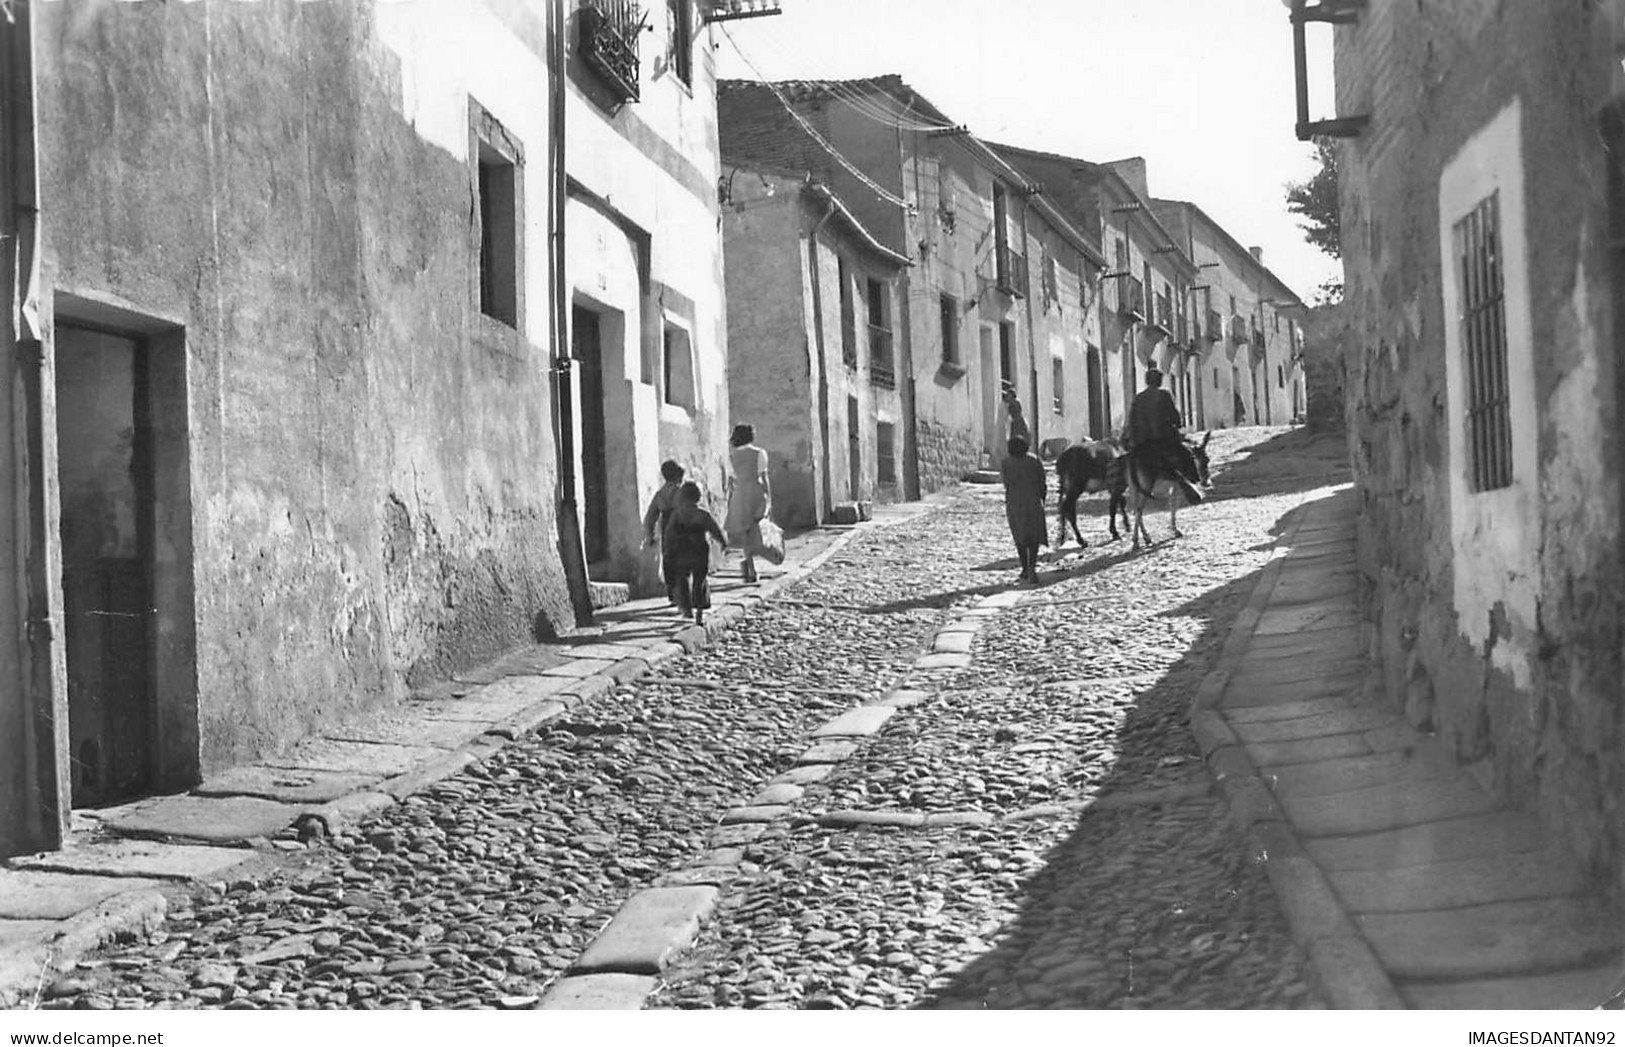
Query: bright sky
(1201, 88)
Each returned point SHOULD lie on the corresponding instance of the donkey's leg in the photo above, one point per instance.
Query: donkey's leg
(1069, 515)
(1174, 498)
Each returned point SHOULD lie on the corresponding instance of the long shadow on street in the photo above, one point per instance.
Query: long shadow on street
(1151, 900)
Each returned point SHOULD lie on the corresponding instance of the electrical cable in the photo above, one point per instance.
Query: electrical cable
(878, 189)
(845, 91)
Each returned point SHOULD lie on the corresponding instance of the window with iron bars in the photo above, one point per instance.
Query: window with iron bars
(1477, 244)
(881, 368)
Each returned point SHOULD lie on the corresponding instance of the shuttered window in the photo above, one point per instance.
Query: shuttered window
(1477, 243)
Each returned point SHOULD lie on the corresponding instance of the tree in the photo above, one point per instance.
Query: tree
(1316, 201)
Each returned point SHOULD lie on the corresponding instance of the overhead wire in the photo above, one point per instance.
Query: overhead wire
(878, 189)
(855, 98)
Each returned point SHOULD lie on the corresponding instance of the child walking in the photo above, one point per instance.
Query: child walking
(686, 557)
(661, 506)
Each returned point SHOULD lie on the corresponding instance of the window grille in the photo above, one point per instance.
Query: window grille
(1058, 383)
(1477, 244)
(881, 368)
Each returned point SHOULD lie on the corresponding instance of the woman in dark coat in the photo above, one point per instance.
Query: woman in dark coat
(1024, 491)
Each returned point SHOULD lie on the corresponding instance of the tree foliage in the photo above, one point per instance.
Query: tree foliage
(1316, 201)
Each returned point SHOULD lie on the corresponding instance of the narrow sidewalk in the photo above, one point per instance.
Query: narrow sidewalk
(1406, 882)
(114, 872)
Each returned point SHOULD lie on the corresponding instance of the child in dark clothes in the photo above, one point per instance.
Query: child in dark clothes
(685, 555)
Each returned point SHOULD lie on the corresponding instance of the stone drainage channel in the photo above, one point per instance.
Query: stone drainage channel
(620, 968)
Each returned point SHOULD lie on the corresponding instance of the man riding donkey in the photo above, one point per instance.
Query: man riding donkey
(1153, 433)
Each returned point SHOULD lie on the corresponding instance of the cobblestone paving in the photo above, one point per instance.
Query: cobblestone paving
(482, 890)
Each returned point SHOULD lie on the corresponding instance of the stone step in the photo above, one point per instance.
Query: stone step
(608, 594)
(982, 476)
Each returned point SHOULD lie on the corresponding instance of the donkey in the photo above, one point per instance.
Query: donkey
(1148, 480)
(1089, 468)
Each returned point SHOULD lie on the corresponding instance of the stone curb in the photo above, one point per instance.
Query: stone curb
(32, 965)
(1342, 962)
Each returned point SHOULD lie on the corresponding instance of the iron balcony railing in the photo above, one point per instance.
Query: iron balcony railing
(609, 43)
(1012, 273)
(1131, 297)
(1215, 326)
(1258, 339)
(1238, 329)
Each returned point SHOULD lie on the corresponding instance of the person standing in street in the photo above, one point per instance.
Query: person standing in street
(661, 506)
(686, 557)
(1018, 421)
(748, 495)
(1024, 491)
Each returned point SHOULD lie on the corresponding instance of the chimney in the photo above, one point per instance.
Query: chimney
(1133, 172)
(1257, 253)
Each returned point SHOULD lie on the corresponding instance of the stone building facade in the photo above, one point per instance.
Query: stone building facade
(1325, 394)
(813, 307)
(1251, 363)
(976, 319)
(647, 321)
(1481, 209)
(1143, 298)
(286, 364)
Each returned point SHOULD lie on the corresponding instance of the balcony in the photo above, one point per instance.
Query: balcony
(1238, 329)
(1012, 273)
(881, 370)
(1258, 339)
(1215, 326)
(609, 43)
(1131, 297)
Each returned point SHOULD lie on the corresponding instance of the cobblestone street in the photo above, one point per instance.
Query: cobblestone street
(1081, 858)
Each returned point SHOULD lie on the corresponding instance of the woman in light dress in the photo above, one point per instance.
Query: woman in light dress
(747, 495)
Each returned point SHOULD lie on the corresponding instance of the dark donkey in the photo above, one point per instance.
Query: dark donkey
(1089, 468)
(1152, 478)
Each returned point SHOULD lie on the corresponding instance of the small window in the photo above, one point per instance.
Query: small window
(1477, 247)
(680, 38)
(678, 353)
(885, 453)
(1057, 372)
(950, 330)
(499, 235)
(1215, 378)
(878, 298)
(849, 315)
(1280, 377)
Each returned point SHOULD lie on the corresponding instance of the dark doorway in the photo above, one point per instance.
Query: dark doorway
(1097, 402)
(587, 346)
(106, 474)
(854, 449)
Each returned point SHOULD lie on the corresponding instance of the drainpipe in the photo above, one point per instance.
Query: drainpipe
(1032, 338)
(45, 748)
(571, 555)
(822, 362)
